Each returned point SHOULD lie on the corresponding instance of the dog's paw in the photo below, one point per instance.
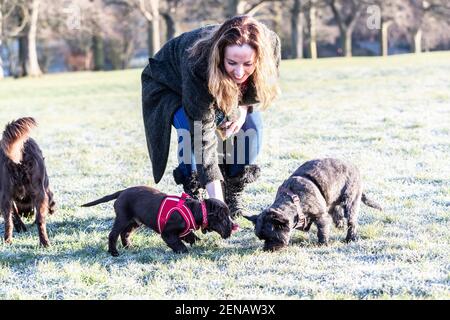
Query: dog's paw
(20, 228)
(274, 248)
(351, 239)
(191, 238)
(181, 250)
(45, 244)
(340, 225)
(114, 253)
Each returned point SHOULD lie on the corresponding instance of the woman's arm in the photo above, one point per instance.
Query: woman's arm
(198, 104)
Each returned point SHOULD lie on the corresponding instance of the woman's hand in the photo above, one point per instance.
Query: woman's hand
(233, 127)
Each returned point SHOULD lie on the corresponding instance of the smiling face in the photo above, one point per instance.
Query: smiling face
(239, 62)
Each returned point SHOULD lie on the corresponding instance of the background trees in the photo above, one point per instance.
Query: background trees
(43, 36)
(18, 20)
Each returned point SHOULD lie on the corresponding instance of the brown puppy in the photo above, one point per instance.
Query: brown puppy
(140, 205)
(24, 186)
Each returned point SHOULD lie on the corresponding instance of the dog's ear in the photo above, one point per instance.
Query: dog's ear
(217, 208)
(219, 217)
(253, 218)
(277, 218)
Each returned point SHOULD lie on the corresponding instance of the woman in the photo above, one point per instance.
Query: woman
(205, 83)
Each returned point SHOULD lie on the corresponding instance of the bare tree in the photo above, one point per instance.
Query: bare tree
(410, 16)
(86, 40)
(14, 17)
(297, 30)
(201, 12)
(423, 9)
(32, 65)
(346, 14)
(28, 57)
(303, 26)
(312, 7)
(1, 39)
(233, 7)
(150, 11)
(386, 12)
(81, 29)
(104, 38)
(121, 37)
(1, 42)
(168, 12)
(239, 7)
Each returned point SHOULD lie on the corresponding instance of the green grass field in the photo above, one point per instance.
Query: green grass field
(390, 116)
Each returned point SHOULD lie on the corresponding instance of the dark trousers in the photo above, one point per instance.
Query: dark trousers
(237, 152)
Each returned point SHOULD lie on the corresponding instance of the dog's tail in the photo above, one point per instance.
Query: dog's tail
(370, 203)
(103, 200)
(14, 137)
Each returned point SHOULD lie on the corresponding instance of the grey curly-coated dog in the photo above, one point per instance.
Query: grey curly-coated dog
(317, 192)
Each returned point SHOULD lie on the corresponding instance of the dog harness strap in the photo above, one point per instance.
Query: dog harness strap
(169, 205)
(204, 215)
(184, 196)
(190, 221)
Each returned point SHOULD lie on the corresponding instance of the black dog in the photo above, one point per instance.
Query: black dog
(24, 185)
(140, 205)
(318, 191)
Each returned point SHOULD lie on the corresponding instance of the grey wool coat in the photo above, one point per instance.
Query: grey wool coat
(171, 80)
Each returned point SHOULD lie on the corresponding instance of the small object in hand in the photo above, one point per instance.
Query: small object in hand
(222, 134)
(222, 129)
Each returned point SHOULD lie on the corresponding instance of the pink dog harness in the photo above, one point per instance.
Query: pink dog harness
(170, 204)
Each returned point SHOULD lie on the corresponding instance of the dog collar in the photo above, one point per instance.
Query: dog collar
(204, 215)
(301, 222)
(169, 205)
(293, 196)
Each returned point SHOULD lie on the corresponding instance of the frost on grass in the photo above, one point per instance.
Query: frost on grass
(390, 119)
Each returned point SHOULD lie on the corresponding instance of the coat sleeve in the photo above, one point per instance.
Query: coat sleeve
(159, 102)
(277, 51)
(199, 106)
(207, 164)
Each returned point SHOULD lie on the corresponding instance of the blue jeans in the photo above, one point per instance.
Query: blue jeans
(245, 147)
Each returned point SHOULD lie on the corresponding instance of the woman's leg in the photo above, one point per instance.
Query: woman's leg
(247, 144)
(243, 170)
(185, 154)
(185, 174)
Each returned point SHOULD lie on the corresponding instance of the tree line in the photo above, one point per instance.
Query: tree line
(72, 35)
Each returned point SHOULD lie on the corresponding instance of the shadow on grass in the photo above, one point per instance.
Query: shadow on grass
(78, 247)
(71, 239)
(421, 180)
(148, 247)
